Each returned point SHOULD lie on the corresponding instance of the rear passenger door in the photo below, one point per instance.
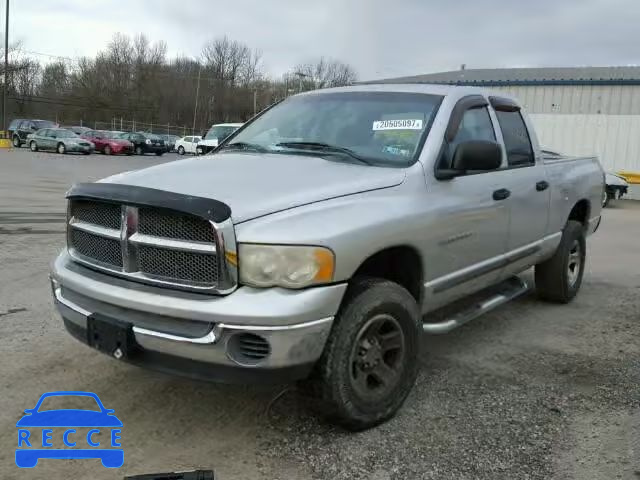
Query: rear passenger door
(526, 181)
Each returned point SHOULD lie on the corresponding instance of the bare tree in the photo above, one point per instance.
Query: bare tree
(324, 73)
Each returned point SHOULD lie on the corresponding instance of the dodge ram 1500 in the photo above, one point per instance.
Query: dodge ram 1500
(323, 238)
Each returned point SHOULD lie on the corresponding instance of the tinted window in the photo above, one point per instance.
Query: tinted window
(475, 125)
(516, 139)
(188, 139)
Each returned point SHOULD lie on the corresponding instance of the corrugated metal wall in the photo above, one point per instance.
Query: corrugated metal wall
(586, 119)
(614, 138)
(570, 99)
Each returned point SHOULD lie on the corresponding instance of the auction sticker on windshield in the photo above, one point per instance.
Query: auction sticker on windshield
(408, 124)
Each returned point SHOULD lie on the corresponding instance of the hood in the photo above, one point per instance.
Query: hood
(254, 185)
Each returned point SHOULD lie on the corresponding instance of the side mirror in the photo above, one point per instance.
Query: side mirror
(477, 155)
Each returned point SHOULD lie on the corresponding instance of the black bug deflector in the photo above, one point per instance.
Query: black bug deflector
(207, 208)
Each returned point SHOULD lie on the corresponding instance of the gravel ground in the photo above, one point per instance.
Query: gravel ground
(530, 391)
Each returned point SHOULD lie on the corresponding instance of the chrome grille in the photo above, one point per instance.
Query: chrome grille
(189, 267)
(152, 245)
(169, 224)
(103, 250)
(102, 214)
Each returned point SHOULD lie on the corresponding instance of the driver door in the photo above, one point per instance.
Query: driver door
(470, 233)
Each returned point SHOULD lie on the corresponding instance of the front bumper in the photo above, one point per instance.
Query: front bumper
(190, 333)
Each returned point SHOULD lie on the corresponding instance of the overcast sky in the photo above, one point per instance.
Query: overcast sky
(380, 38)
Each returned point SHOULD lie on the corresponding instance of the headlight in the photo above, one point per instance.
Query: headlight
(284, 266)
(147, 141)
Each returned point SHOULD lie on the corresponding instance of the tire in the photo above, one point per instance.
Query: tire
(180, 150)
(159, 154)
(16, 141)
(559, 278)
(359, 382)
(606, 198)
(139, 151)
(33, 146)
(61, 149)
(107, 150)
(199, 151)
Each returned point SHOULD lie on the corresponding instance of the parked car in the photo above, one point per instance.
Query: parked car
(59, 140)
(616, 187)
(108, 142)
(145, 143)
(20, 128)
(215, 136)
(79, 130)
(170, 141)
(314, 243)
(187, 144)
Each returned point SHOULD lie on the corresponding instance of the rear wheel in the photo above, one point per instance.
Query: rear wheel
(61, 148)
(370, 361)
(559, 278)
(16, 141)
(606, 198)
(33, 146)
(107, 150)
(180, 150)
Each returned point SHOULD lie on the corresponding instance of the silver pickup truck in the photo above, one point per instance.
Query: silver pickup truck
(323, 238)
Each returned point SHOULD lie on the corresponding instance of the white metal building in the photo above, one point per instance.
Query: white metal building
(577, 111)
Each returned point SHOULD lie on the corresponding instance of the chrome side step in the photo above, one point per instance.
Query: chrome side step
(506, 291)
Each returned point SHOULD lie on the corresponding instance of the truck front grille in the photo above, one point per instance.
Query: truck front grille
(151, 245)
(103, 250)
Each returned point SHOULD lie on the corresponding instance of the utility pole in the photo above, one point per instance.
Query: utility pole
(195, 110)
(255, 101)
(6, 68)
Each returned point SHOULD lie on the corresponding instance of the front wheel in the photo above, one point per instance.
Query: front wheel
(138, 150)
(180, 150)
(61, 148)
(370, 361)
(33, 146)
(159, 154)
(199, 151)
(559, 278)
(16, 141)
(606, 198)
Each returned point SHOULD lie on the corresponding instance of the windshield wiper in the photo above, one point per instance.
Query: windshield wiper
(324, 147)
(244, 146)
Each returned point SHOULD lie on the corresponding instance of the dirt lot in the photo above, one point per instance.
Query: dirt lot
(532, 391)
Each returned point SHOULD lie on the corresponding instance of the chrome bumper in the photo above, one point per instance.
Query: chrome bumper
(295, 324)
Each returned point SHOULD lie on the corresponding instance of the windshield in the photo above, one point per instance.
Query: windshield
(386, 128)
(63, 402)
(43, 124)
(220, 133)
(62, 133)
(112, 135)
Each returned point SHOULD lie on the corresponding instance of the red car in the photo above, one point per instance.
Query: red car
(108, 142)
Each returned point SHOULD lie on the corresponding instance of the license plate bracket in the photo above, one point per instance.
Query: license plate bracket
(111, 336)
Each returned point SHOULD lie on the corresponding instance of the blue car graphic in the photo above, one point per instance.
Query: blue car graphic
(68, 418)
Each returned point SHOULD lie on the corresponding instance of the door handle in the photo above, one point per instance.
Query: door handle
(542, 185)
(501, 194)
